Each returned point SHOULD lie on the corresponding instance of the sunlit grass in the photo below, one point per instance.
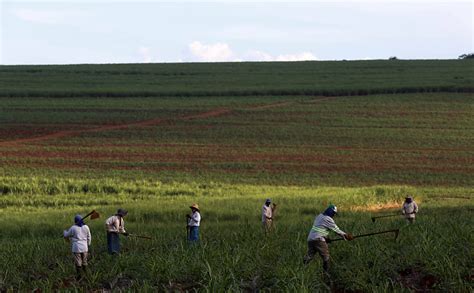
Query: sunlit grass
(234, 253)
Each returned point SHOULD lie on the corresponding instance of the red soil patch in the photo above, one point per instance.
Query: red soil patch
(212, 113)
(320, 99)
(269, 106)
(64, 133)
(414, 278)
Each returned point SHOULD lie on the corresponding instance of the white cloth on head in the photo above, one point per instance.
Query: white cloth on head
(80, 238)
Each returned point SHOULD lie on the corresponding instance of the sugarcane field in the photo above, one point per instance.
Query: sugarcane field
(223, 173)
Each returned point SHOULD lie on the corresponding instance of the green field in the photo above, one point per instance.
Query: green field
(156, 138)
(238, 79)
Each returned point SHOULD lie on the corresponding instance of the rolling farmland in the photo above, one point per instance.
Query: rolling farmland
(155, 138)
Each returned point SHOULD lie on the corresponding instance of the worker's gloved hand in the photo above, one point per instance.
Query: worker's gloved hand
(349, 236)
(188, 216)
(126, 233)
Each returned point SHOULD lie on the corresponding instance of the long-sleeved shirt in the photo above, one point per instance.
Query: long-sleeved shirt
(321, 227)
(80, 238)
(195, 219)
(409, 209)
(267, 213)
(115, 224)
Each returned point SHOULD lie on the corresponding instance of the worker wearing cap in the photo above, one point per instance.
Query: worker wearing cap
(80, 236)
(115, 226)
(267, 215)
(194, 221)
(323, 224)
(409, 209)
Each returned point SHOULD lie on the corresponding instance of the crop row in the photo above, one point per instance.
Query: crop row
(237, 79)
(412, 139)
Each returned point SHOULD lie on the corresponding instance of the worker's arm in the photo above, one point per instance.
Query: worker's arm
(121, 226)
(338, 231)
(89, 236)
(331, 225)
(67, 233)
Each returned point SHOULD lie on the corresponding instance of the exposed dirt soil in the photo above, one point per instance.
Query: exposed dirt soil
(416, 279)
(65, 133)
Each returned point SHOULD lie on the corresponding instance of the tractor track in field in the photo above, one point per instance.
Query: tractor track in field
(65, 133)
(212, 113)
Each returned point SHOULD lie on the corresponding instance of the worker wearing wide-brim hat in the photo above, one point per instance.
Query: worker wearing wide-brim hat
(115, 225)
(194, 221)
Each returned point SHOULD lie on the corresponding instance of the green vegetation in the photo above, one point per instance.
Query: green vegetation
(156, 138)
(234, 254)
(238, 79)
(415, 139)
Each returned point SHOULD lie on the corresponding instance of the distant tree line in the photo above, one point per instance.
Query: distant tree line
(466, 56)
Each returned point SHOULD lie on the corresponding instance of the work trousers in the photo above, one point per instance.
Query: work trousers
(193, 233)
(80, 259)
(113, 243)
(267, 225)
(320, 247)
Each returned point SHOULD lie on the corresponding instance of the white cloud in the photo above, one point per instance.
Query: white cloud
(304, 56)
(40, 16)
(255, 55)
(221, 52)
(218, 52)
(145, 53)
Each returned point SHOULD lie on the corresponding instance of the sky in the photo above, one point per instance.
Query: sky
(146, 31)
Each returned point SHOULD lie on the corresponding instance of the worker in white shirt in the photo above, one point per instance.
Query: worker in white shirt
(80, 236)
(115, 226)
(267, 215)
(194, 221)
(409, 209)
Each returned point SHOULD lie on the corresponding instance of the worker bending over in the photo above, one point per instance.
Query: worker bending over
(323, 224)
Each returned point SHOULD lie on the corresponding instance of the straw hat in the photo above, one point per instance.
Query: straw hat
(195, 206)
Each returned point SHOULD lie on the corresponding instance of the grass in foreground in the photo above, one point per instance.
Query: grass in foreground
(434, 253)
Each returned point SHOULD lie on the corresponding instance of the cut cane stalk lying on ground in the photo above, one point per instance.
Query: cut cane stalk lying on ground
(395, 231)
